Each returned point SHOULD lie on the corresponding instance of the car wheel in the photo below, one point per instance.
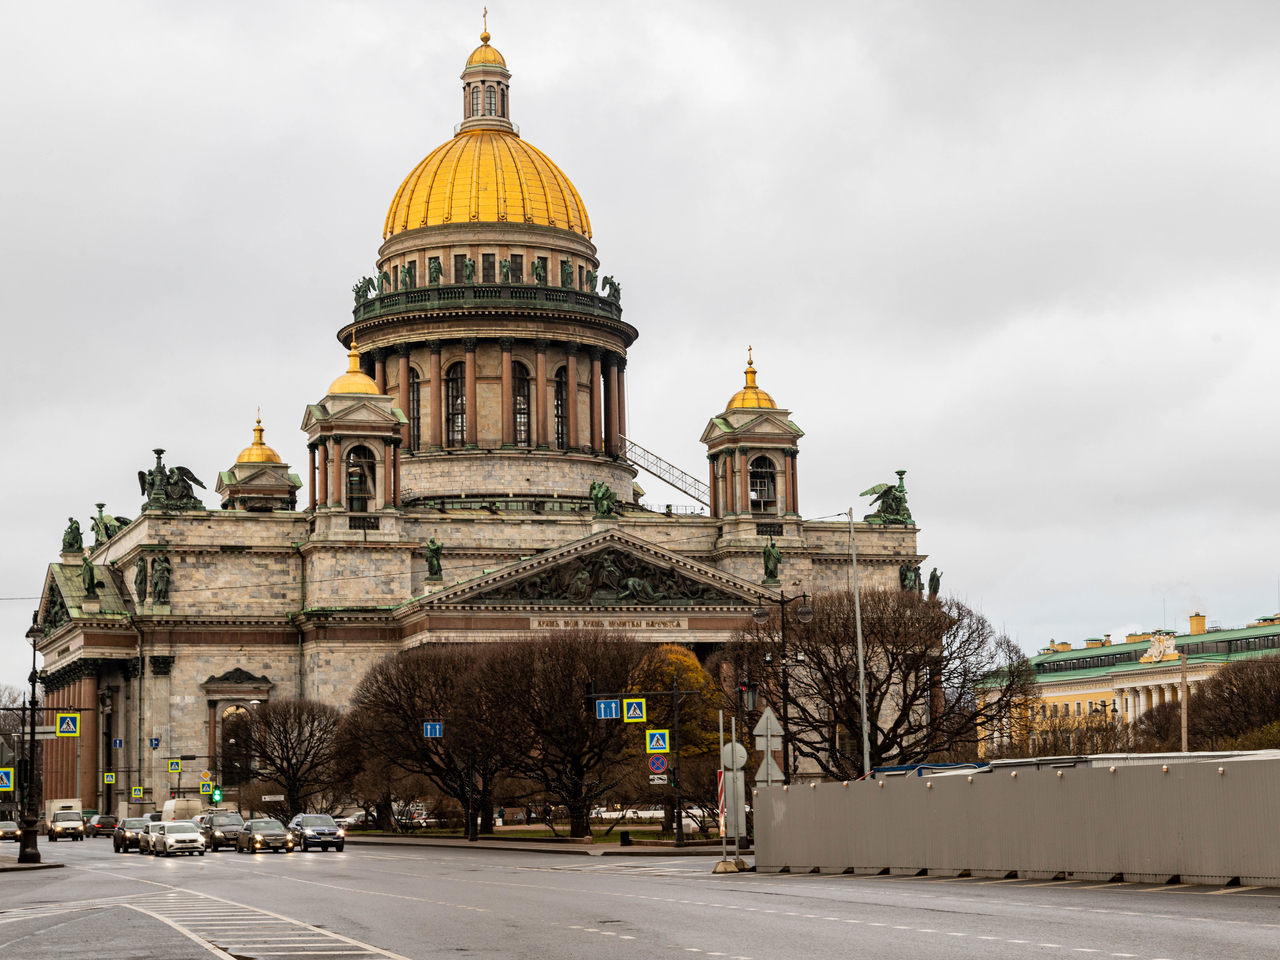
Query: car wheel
(201, 852)
(324, 848)
(52, 838)
(338, 847)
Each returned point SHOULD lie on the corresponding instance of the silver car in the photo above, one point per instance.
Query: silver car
(176, 836)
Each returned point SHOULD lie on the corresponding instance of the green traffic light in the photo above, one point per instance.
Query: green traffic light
(217, 794)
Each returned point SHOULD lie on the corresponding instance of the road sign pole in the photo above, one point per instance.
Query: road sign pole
(737, 805)
(724, 841)
(675, 751)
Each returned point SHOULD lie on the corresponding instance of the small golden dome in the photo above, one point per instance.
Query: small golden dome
(354, 381)
(486, 176)
(751, 397)
(485, 55)
(258, 452)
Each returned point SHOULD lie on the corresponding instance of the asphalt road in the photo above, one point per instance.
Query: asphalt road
(409, 902)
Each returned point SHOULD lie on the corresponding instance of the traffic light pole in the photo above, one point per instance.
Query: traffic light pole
(30, 852)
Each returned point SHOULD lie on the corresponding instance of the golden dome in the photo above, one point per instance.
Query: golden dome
(751, 397)
(488, 176)
(484, 54)
(353, 381)
(258, 452)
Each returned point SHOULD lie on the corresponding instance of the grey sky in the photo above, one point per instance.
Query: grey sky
(1026, 252)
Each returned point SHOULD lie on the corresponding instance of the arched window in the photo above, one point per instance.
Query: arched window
(415, 410)
(475, 100)
(562, 408)
(361, 479)
(235, 760)
(490, 101)
(455, 405)
(503, 95)
(764, 491)
(520, 401)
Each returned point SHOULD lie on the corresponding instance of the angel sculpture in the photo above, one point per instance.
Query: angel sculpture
(612, 289)
(892, 502)
(169, 489)
(406, 278)
(363, 290)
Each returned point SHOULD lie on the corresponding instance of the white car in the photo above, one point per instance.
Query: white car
(176, 836)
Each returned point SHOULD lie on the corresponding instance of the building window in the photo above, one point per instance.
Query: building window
(582, 280)
(517, 268)
(455, 402)
(1091, 706)
(475, 101)
(1053, 710)
(503, 95)
(487, 268)
(1077, 708)
(459, 267)
(520, 401)
(361, 476)
(562, 408)
(415, 410)
(490, 101)
(764, 496)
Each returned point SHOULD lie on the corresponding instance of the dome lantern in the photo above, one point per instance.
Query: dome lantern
(486, 90)
(750, 396)
(258, 451)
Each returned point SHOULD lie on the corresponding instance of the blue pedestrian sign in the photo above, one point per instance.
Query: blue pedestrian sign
(68, 725)
(155, 743)
(432, 729)
(137, 793)
(633, 711)
(656, 741)
(175, 766)
(117, 744)
(108, 778)
(6, 778)
(608, 710)
(206, 787)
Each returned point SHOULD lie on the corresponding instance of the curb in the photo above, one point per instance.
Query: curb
(511, 845)
(12, 866)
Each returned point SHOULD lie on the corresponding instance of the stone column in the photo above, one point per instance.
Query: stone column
(611, 404)
(730, 491)
(469, 345)
(622, 401)
(541, 409)
(795, 482)
(380, 369)
(572, 440)
(395, 452)
(711, 486)
(311, 474)
(744, 472)
(389, 474)
(324, 471)
(402, 389)
(508, 399)
(784, 505)
(90, 777)
(597, 438)
(338, 495)
(213, 734)
(436, 391)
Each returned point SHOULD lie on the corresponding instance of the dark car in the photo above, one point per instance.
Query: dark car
(125, 836)
(102, 825)
(10, 831)
(220, 829)
(317, 830)
(258, 835)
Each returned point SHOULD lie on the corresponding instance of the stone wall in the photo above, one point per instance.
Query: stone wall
(511, 472)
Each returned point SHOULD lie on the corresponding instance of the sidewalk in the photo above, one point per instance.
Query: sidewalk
(8, 864)
(580, 850)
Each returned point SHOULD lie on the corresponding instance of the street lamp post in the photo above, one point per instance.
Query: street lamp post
(804, 613)
(30, 852)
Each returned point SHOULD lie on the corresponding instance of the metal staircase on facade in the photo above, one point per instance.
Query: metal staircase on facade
(666, 472)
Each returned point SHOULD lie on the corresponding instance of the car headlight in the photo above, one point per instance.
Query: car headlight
(342, 833)
(217, 833)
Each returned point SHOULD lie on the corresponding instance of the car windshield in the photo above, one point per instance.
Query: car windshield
(8, 825)
(268, 826)
(227, 818)
(181, 828)
(136, 824)
(65, 817)
(318, 821)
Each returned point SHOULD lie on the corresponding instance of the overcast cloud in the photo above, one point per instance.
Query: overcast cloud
(1026, 252)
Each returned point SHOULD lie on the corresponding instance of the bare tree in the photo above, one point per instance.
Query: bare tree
(939, 678)
(1242, 696)
(555, 740)
(294, 745)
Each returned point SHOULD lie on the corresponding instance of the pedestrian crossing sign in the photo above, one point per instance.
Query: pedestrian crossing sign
(108, 778)
(656, 741)
(206, 787)
(6, 778)
(175, 766)
(137, 793)
(68, 725)
(633, 711)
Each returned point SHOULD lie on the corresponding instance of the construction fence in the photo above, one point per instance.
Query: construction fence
(1215, 821)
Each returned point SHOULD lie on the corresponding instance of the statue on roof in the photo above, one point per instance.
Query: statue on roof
(935, 584)
(434, 549)
(106, 526)
(539, 272)
(468, 270)
(434, 270)
(891, 501)
(604, 499)
(140, 579)
(384, 283)
(72, 541)
(363, 290)
(406, 279)
(169, 489)
(161, 571)
(772, 558)
(612, 289)
(89, 579)
(504, 270)
(591, 280)
(566, 273)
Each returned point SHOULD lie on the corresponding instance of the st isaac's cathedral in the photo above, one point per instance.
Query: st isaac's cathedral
(470, 477)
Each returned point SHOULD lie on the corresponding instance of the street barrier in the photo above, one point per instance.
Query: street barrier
(1198, 822)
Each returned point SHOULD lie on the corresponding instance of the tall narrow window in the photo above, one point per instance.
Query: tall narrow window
(562, 408)
(413, 273)
(582, 280)
(487, 268)
(361, 475)
(455, 403)
(475, 100)
(764, 495)
(490, 101)
(520, 401)
(415, 410)
(459, 267)
(517, 268)
(504, 101)
(395, 277)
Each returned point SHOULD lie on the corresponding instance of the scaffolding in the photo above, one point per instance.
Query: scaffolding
(666, 472)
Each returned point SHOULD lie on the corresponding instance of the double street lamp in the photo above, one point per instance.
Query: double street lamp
(804, 613)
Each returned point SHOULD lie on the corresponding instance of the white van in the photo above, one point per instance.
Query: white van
(183, 808)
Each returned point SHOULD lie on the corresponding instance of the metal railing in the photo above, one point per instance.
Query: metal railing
(666, 472)
(437, 296)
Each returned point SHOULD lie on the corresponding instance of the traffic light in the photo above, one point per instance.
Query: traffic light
(216, 796)
(173, 794)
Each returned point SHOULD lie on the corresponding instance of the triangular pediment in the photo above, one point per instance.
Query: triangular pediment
(611, 570)
(776, 425)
